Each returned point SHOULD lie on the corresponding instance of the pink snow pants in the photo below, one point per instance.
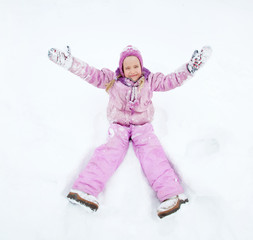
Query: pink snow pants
(154, 162)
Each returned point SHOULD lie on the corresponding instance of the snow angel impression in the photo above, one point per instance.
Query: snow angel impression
(130, 112)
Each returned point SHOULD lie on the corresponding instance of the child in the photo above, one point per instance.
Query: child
(130, 111)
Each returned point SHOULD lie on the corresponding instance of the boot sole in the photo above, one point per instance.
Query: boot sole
(75, 198)
(172, 210)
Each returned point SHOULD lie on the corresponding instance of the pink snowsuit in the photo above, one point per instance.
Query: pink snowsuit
(130, 120)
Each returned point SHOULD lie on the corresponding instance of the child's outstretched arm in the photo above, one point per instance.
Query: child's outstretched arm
(161, 82)
(98, 78)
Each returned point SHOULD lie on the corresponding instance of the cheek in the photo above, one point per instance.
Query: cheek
(126, 72)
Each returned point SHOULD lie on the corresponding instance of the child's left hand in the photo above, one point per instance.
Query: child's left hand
(198, 59)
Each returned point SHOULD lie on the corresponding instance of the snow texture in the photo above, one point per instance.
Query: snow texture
(51, 121)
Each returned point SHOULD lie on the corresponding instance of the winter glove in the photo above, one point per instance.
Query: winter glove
(199, 59)
(63, 59)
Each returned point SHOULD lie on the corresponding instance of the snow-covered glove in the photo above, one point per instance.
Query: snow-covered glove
(199, 59)
(63, 59)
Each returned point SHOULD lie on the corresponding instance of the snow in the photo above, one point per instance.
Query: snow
(51, 121)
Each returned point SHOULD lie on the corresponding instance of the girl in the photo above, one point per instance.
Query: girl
(130, 112)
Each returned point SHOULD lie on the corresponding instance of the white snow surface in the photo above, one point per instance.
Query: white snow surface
(51, 121)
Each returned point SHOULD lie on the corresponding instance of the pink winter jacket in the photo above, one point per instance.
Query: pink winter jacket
(118, 110)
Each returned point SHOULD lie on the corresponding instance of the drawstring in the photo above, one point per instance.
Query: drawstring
(134, 94)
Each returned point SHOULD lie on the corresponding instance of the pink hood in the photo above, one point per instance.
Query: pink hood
(129, 51)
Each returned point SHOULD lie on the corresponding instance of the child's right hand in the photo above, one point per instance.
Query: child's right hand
(63, 59)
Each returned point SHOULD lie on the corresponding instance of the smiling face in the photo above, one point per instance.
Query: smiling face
(132, 68)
